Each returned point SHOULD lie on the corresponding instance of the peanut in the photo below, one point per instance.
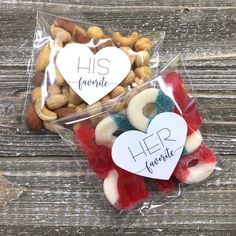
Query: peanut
(95, 32)
(129, 79)
(59, 33)
(130, 53)
(54, 89)
(117, 91)
(56, 101)
(81, 107)
(94, 108)
(143, 72)
(143, 44)
(59, 78)
(43, 58)
(74, 98)
(142, 58)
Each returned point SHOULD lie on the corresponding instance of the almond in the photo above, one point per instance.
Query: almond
(65, 24)
(81, 35)
(64, 111)
(38, 78)
(32, 120)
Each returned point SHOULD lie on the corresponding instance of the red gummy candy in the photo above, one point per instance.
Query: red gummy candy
(167, 186)
(184, 105)
(131, 189)
(197, 159)
(99, 157)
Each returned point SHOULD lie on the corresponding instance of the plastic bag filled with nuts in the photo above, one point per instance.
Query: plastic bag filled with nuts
(148, 146)
(79, 65)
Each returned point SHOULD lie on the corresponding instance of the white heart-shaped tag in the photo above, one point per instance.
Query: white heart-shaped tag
(153, 154)
(92, 76)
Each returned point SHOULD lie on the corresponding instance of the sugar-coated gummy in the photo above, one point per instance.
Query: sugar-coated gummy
(184, 105)
(99, 157)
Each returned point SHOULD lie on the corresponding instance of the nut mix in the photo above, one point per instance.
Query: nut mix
(54, 98)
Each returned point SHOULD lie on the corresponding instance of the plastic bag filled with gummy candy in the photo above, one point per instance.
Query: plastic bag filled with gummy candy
(147, 145)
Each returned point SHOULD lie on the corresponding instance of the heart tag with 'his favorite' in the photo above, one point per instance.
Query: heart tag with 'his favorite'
(92, 76)
(153, 154)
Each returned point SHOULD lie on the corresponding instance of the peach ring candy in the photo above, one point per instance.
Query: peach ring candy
(195, 167)
(193, 141)
(136, 107)
(106, 128)
(124, 190)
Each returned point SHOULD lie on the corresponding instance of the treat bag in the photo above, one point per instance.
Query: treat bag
(146, 152)
(77, 65)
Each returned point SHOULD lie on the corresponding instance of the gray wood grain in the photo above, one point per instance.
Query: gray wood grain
(62, 197)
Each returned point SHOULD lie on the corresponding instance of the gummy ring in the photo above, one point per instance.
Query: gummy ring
(135, 109)
(104, 132)
(195, 167)
(124, 190)
(193, 141)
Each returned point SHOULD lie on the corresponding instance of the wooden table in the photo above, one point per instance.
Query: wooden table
(57, 198)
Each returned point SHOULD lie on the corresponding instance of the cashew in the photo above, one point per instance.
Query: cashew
(43, 112)
(143, 44)
(142, 58)
(95, 32)
(36, 94)
(143, 72)
(52, 127)
(59, 33)
(56, 101)
(43, 58)
(125, 41)
(130, 53)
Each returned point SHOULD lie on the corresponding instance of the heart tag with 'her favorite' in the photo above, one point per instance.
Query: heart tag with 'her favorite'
(92, 76)
(153, 154)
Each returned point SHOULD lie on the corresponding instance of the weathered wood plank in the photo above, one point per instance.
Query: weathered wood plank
(63, 199)
(198, 32)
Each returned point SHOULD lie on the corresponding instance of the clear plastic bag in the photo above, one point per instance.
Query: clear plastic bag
(66, 50)
(148, 151)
